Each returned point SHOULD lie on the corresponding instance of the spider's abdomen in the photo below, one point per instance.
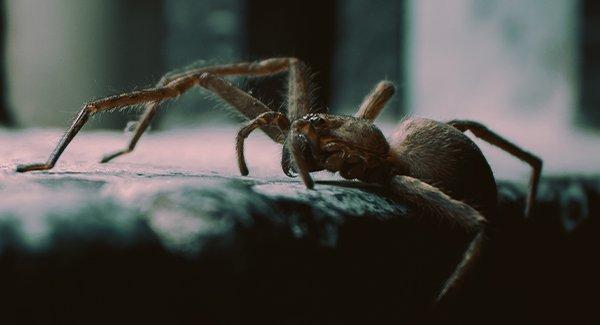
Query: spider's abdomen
(444, 157)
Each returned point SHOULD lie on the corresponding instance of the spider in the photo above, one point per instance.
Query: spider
(431, 165)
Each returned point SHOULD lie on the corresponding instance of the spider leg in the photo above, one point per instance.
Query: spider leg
(231, 94)
(482, 132)
(80, 120)
(149, 113)
(435, 203)
(298, 91)
(374, 102)
(264, 119)
(296, 144)
(107, 104)
(251, 69)
(298, 105)
(286, 161)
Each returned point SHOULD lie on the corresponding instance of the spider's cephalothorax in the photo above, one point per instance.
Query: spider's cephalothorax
(354, 147)
(427, 164)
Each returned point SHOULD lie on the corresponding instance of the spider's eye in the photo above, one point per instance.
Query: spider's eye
(316, 120)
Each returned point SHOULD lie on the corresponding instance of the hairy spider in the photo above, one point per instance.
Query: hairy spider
(430, 165)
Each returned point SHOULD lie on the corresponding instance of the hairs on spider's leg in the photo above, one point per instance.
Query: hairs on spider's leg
(311, 90)
(375, 101)
(298, 98)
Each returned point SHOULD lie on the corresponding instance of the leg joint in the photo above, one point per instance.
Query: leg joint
(204, 78)
(90, 108)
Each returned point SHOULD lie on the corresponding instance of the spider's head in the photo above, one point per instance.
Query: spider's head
(337, 143)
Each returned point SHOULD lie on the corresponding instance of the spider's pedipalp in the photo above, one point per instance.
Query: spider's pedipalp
(298, 147)
(275, 119)
(286, 162)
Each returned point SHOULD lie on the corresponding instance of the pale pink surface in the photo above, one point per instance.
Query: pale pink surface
(211, 150)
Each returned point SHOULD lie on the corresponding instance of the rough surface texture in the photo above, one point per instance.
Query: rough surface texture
(171, 233)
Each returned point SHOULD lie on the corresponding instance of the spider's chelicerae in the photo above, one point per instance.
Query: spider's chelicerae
(428, 164)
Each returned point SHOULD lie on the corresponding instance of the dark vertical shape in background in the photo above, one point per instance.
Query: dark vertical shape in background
(303, 29)
(589, 64)
(137, 59)
(139, 37)
(370, 48)
(201, 33)
(403, 103)
(5, 117)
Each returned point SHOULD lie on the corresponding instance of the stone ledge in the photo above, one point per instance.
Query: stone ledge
(159, 242)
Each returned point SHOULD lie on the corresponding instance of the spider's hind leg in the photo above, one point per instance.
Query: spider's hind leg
(435, 204)
(482, 132)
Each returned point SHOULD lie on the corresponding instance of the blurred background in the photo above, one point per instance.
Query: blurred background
(529, 69)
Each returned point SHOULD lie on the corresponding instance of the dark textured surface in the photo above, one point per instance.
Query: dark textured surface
(541, 269)
(224, 250)
(146, 239)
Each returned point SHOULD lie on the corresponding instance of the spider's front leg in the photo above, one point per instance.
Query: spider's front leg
(265, 119)
(434, 203)
(107, 104)
(78, 123)
(231, 94)
(250, 69)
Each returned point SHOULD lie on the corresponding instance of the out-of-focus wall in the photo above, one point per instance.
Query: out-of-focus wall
(489, 58)
(511, 64)
(369, 48)
(589, 64)
(200, 33)
(62, 53)
(5, 115)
